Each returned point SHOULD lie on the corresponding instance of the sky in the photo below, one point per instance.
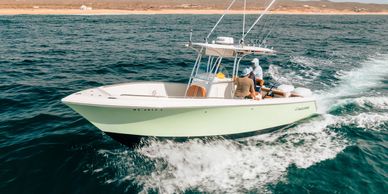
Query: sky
(363, 1)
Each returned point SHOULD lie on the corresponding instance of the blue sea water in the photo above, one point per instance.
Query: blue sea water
(45, 147)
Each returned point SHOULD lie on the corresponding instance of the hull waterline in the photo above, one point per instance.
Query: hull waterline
(135, 140)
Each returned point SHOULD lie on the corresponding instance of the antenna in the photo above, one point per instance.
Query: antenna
(191, 35)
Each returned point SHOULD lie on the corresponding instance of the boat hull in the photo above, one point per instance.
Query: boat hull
(194, 121)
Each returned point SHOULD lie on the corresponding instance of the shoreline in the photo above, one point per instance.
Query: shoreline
(44, 11)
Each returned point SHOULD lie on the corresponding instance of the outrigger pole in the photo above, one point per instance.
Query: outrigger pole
(258, 19)
(244, 34)
(243, 30)
(219, 20)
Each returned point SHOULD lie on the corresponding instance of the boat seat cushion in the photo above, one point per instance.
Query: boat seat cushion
(196, 91)
(277, 93)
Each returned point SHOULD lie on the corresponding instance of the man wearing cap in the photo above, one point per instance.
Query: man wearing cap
(257, 72)
(245, 88)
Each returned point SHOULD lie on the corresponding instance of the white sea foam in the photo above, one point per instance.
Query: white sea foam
(370, 75)
(375, 102)
(368, 121)
(274, 72)
(357, 82)
(226, 166)
(302, 76)
(311, 62)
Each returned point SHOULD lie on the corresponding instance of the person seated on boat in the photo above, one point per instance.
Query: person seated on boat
(257, 73)
(245, 87)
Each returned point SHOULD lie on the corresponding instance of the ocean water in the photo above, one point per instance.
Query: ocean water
(45, 147)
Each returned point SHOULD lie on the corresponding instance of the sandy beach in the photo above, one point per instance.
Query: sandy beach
(43, 11)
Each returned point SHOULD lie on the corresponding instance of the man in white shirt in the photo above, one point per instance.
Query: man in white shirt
(258, 72)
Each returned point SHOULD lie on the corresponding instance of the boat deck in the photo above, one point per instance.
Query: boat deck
(109, 97)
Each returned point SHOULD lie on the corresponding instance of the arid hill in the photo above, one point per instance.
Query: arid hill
(281, 5)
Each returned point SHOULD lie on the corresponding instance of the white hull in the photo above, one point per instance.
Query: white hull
(141, 114)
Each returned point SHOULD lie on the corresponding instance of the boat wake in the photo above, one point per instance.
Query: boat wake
(306, 71)
(253, 164)
(239, 166)
(363, 85)
(303, 77)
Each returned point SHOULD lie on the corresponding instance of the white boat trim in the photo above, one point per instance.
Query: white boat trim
(171, 102)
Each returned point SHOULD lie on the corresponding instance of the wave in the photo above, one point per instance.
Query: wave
(367, 121)
(311, 62)
(301, 77)
(274, 72)
(369, 76)
(375, 102)
(306, 72)
(361, 82)
(369, 103)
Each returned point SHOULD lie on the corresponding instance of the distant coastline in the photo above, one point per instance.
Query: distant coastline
(128, 7)
(46, 11)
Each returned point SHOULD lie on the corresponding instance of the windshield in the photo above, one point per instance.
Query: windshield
(211, 67)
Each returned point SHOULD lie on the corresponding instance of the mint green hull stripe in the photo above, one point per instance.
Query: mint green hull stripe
(191, 122)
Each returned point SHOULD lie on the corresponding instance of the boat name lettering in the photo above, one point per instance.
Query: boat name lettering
(148, 109)
(302, 108)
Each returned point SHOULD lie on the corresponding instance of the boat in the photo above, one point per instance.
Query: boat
(205, 106)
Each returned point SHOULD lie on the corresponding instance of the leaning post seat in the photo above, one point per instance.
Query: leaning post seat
(196, 91)
(277, 93)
